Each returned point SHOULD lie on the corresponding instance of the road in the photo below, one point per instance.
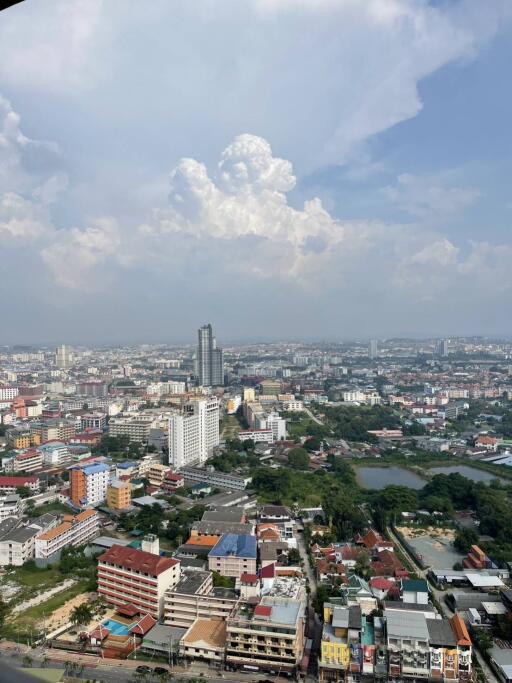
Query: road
(315, 419)
(439, 596)
(117, 671)
(301, 547)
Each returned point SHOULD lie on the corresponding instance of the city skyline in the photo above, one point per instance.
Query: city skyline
(210, 157)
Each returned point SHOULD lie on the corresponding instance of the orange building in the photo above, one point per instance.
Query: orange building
(77, 486)
(119, 495)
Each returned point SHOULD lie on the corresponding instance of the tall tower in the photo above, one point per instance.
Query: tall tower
(372, 349)
(441, 348)
(210, 362)
(63, 357)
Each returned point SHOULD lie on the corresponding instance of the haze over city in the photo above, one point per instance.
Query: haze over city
(235, 162)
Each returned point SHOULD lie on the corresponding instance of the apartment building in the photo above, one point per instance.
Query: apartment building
(194, 597)
(408, 644)
(10, 484)
(256, 435)
(23, 438)
(233, 555)
(54, 453)
(119, 495)
(17, 546)
(220, 480)
(10, 506)
(57, 430)
(194, 433)
(30, 460)
(157, 473)
(73, 531)
(268, 636)
(93, 421)
(88, 484)
(136, 427)
(126, 575)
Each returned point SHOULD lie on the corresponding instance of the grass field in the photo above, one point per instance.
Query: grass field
(29, 621)
(230, 427)
(54, 507)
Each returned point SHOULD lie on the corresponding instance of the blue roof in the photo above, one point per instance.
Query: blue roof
(125, 465)
(237, 545)
(96, 467)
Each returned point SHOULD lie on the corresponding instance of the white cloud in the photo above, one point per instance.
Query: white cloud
(430, 197)
(29, 181)
(51, 46)
(75, 254)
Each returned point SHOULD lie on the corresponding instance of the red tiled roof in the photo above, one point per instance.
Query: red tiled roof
(249, 578)
(128, 610)
(137, 560)
(144, 625)
(18, 481)
(263, 611)
(268, 572)
(380, 583)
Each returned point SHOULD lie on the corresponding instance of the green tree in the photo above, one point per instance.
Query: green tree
(298, 459)
(4, 611)
(464, 539)
(23, 491)
(362, 567)
(314, 443)
(81, 614)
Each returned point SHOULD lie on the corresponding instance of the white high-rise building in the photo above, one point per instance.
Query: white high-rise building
(63, 357)
(194, 433)
(373, 349)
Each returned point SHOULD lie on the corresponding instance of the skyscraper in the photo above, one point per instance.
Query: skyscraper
(210, 361)
(372, 349)
(441, 349)
(63, 357)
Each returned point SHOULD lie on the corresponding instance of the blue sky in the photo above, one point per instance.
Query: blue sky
(305, 168)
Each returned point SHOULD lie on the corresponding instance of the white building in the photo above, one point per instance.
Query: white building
(194, 433)
(10, 506)
(8, 393)
(73, 531)
(278, 426)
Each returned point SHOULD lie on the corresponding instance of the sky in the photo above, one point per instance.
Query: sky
(283, 169)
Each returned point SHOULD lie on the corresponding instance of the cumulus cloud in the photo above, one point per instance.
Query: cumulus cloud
(29, 180)
(75, 254)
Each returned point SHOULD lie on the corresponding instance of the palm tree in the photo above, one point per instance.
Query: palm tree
(81, 614)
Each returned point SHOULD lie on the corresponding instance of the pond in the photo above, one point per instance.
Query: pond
(380, 477)
(466, 471)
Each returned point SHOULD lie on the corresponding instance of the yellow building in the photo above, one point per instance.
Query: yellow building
(337, 636)
(249, 394)
(119, 495)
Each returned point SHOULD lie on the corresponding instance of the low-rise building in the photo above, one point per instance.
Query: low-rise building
(268, 636)
(233, 555)
(205, 640)
(220, 480)
(74, 531)
(11, 505)
(10, 484)
(119, 495)
(195, 597)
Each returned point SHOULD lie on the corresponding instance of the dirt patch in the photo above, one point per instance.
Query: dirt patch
(61, 615)
(430, 531)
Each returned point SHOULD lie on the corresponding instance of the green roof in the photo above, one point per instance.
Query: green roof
(416, 585)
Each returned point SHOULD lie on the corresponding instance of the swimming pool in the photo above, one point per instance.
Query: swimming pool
(116, 628)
